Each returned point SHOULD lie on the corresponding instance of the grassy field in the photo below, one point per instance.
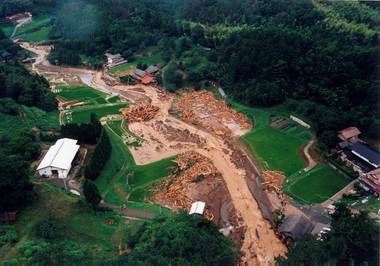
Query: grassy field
(82, 93)
(80, 223)
(279, 149)
(124, 182)
(317, 185)
(122, 68)
(82, 114)
(36, 31)
(36, 36)
(275, 150)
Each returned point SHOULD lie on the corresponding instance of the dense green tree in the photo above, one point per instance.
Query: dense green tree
(306, 252)
(15, 188)
(169, 240)
(99, 157)
(91, 193)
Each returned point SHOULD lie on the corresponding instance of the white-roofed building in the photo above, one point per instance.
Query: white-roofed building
(197, 207)
(58, 159)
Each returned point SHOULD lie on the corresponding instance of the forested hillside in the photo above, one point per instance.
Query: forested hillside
(18, 145)
(322, 54)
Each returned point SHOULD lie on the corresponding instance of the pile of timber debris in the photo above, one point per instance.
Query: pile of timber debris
(173, 190)
(273, 181)
(140, 113)
(202, 107)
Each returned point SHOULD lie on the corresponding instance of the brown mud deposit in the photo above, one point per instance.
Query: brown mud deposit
(196, 179)
(234, 185)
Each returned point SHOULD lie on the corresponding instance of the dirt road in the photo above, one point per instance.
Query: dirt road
(311, 162)
(167, 135)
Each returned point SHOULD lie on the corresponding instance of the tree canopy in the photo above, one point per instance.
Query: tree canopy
(179, 239)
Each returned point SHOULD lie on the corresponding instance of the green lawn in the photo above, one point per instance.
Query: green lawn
(275, 150)
(83, 114)
(36, 36)
(82, 93)
(80, 223)
(317, 185)
(279, 149)
(36, 24)
(123, 182)
(122, 68)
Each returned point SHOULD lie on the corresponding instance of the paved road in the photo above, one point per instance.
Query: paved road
(129, 212)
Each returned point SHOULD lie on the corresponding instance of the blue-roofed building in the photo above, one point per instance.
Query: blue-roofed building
(359, 155)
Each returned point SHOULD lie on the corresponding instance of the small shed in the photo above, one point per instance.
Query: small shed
(197, 207)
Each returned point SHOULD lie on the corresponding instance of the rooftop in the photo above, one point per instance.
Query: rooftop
(147, 79)
(197, 207)
(348, 133)
(140, 73)
(296, 226)
(366, 153)
(152, 69)
(60, 155)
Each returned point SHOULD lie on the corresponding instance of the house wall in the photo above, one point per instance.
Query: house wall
(48, 172)
(45, 172)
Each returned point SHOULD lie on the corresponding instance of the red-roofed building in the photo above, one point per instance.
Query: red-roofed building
(372, 181)
(350, 134)
(148, 79)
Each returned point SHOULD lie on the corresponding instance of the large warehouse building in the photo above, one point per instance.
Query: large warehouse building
(58, 159)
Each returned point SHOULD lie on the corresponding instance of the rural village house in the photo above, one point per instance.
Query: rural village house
(364, 160)
(114, 60)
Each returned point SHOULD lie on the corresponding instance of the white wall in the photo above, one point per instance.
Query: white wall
(48, 172)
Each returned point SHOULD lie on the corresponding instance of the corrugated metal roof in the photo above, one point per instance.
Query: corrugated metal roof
(60, 155)
(366, 153)
(197, 207)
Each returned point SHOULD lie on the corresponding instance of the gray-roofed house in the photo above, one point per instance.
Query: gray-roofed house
(153, 69)
(138, 74)
(295, 227)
